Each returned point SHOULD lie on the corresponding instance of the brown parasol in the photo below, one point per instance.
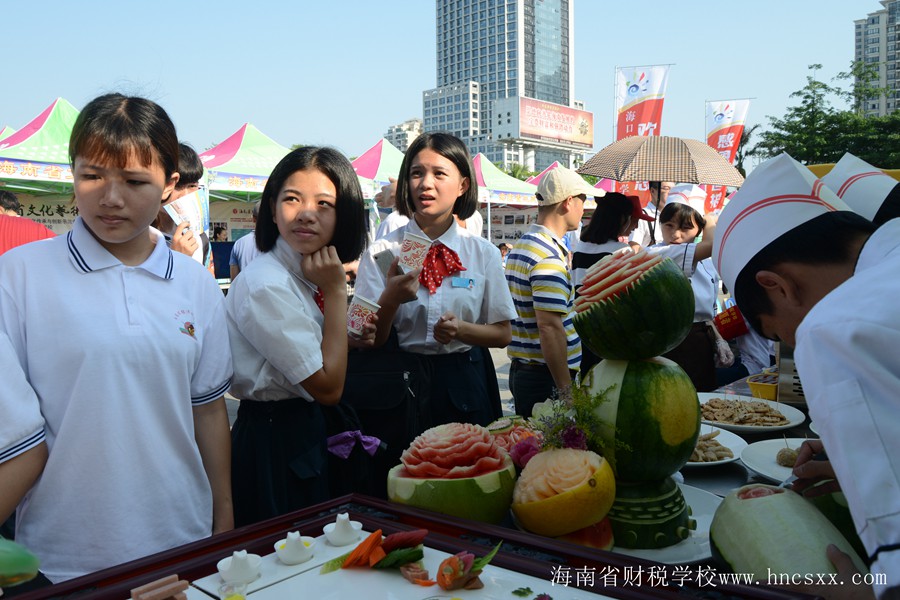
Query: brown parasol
(662, 158)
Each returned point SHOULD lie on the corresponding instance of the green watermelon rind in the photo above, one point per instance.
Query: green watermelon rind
(650, 515)
(641, 453)
(485, 498)
(648, 319)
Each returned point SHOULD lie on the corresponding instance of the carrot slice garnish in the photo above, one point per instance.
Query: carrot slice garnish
(360, 554)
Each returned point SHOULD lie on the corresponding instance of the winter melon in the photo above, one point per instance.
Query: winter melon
(761, 529)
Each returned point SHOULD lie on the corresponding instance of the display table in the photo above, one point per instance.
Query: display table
(544, 565)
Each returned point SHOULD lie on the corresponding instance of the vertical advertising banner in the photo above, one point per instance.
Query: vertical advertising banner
(724, 127)
(640, 92)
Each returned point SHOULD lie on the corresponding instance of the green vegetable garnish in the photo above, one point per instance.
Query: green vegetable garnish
(523, 592)
(334, 564)
(400, 557)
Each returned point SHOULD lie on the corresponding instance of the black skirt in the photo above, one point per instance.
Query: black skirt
(279, 460)
(695, 354)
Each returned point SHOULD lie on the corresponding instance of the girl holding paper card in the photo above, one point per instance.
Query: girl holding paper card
(287, 323)
(458, 302)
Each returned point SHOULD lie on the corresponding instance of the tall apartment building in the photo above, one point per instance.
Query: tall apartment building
(402, 135)
(877, 43)
(494, 49)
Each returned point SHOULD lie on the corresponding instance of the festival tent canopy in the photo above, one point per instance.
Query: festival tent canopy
(36, 158)
(239, 167)
(6, 132)
(536, 179)
(379, 162)
(502, 188)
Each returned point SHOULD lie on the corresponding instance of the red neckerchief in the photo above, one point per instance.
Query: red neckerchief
(440, 262)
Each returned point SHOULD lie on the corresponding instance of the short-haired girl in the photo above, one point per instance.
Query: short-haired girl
(459, 302)
(287, 321)
(125, 344)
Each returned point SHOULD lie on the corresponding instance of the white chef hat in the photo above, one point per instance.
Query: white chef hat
(863, 187)
(776, 197)
(690, 194)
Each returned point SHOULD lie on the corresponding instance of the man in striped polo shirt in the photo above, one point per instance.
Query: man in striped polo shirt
(545, 351)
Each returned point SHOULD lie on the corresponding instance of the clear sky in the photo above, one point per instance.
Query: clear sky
(339, 72)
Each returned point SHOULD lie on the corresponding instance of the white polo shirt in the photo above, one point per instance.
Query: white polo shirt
(117, 356)
(22, 426)
(275, 327)
(484, 299)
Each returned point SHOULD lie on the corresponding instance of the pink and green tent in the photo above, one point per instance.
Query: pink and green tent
(497, 188)
(502, 188)
(239, 167)
(376, 165)
(6, 132)
(35, 159)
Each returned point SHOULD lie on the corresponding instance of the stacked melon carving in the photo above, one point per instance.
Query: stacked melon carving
(632, 308)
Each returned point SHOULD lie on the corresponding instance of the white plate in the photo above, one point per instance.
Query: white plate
(794, 416)
(696, 547)
(813, 428)
(388, 584)
(760, 457)
(732, 441)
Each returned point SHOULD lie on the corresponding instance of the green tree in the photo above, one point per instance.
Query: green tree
(806, 132)
(816, 132)
(519, 171)
(863, 80)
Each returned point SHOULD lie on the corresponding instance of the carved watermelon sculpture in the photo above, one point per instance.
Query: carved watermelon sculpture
(656, 413)
(633, 306)
(457, 469)
(650, 515)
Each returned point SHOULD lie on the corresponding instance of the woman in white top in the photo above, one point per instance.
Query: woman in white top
(459, 302)
(287, 322)
(680, 224)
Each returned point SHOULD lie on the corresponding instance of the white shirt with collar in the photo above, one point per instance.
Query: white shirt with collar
(117, 357)
(848, 358)
(275, 327)
(477, 295)
(704, 277)
(392, 222)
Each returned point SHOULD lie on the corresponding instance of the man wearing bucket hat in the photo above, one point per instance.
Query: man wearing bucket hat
(545, 351)
(867, 190)
(808, 271)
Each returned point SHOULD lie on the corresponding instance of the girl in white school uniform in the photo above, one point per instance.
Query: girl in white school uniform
(287, 321)
(125, 345)
(680, 224)
(459, 302)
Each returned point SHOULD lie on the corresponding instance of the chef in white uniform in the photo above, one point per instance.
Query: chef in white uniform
(807, 271)
(868, 190)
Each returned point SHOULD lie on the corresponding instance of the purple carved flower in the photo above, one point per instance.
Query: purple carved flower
(573, 437)
(522, 452)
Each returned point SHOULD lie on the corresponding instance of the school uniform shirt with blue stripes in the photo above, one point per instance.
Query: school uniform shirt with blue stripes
(539, 279)
(117, 357)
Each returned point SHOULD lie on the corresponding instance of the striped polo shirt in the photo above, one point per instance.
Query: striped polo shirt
(539, 279)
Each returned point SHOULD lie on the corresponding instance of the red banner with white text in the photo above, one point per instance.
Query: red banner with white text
(724, 127)
(640, 92)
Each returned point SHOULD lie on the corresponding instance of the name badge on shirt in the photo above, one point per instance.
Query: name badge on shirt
(462, 282)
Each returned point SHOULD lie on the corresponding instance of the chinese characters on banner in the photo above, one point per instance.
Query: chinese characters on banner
(724, 127)
(640, 92)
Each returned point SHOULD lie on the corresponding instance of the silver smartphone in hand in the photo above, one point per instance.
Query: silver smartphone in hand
(384, 259)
